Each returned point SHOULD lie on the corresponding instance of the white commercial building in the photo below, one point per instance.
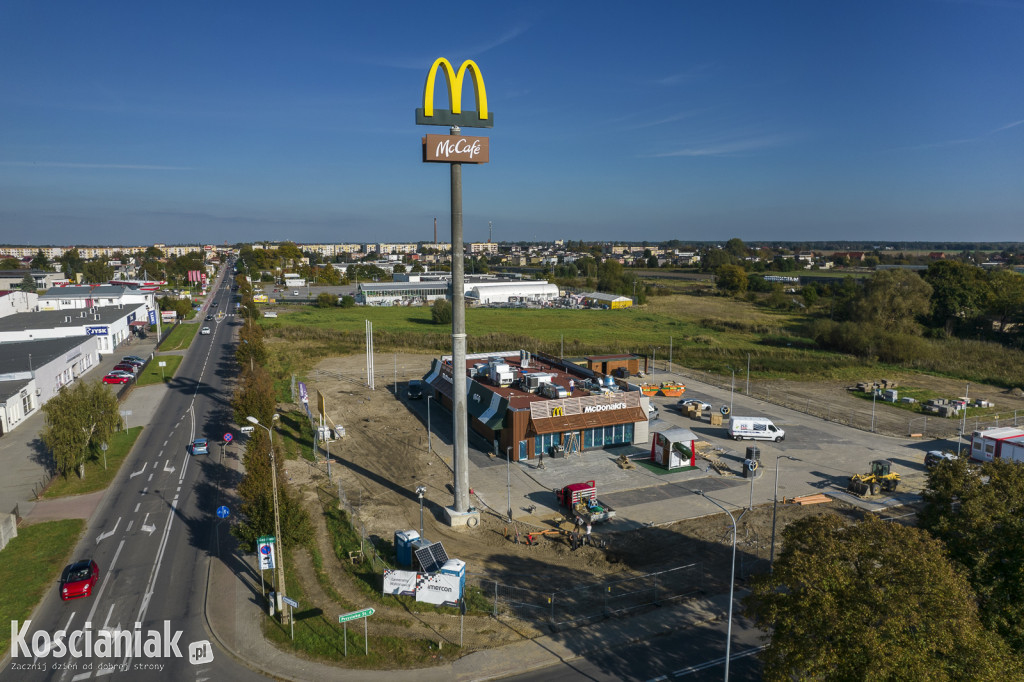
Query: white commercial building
(523, 291)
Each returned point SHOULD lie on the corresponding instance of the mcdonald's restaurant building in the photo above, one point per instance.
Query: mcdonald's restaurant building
(590, 411)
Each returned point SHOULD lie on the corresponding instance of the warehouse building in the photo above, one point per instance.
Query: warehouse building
(532, 405)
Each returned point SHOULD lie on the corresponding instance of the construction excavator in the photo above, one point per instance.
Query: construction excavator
(881, 478)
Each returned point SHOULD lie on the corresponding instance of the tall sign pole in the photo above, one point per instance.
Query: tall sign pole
(455, 149)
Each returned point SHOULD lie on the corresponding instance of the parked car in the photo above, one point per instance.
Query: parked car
(134, 359)
(204, 330)
(933, 457)
(121, 373)
(415, 389)
(685, 404)
(127, 367)
(117, 379)
(79, 579)
(200, 446)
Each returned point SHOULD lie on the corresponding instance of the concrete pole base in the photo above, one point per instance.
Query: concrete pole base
(466, 519)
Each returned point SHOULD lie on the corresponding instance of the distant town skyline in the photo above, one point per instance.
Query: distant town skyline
(194, 123)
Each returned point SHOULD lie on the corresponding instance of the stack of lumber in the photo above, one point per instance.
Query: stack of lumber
(816, 498)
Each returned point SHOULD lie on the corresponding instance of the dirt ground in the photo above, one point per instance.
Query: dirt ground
(384, 457)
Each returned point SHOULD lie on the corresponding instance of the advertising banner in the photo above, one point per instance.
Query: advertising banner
(456, 148)
(438, 588)
(399, 582)
(303, 393)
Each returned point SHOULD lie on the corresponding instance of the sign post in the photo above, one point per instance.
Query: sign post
(352, 615)
(266, 556)
(291, 614)
(454, 150)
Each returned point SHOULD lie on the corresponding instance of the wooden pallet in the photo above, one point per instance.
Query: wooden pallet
(817, 498)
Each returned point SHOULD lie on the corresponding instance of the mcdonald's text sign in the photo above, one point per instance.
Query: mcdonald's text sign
(455, 148)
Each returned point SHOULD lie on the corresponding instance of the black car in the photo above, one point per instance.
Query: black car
(209, 317)
(415, 389)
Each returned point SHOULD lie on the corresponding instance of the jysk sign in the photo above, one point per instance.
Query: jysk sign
(97, 331)
(455, 148)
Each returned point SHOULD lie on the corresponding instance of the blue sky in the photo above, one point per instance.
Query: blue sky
(126, 122)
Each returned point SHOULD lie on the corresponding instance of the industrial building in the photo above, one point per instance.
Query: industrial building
(532, 405)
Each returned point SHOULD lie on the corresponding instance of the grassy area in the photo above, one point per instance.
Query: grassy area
(180, 337)
(706, 332)
(96, 477)
(297, 434)
(319, 635)
(155, 374)
(31, 565)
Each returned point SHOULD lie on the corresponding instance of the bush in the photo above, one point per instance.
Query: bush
(441, 311)
(347, 302)
(325, 301)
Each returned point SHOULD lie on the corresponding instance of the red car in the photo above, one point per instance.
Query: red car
(79, 579)
(116, 379)
(126, 367)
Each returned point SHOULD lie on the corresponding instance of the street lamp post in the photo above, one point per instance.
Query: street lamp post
(775, 506)
(874, 394)
(732, 388)
(428, 425)
(420, 490)
(508, 479)
(732, 581)
(285, 615)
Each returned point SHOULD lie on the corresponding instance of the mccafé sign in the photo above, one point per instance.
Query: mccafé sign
(452, 148)
(454, 115)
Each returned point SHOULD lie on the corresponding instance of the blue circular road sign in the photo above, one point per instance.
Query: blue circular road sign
(223, 512)
(228, 437)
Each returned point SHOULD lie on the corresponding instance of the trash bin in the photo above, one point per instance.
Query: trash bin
(754, 453)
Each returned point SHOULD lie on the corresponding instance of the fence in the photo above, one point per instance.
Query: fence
(578, 605)
(879, 418)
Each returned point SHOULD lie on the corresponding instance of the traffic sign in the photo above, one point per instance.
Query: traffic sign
(290, 602)
(265, 539)
(345, 617)
(228, 437)
(247, 429)
(223, 512)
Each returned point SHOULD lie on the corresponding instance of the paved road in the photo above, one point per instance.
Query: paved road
(696, 654)
(151, 537)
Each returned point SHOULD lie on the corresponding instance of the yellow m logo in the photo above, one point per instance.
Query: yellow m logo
(558, 412)
(455, 116)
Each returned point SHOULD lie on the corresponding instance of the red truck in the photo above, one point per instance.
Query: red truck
(581, 500)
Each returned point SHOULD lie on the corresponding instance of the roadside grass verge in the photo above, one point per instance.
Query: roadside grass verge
(32, 563)
(180, 337)
(154, 374)
(96, 477)
(297, 435)
(319, 635)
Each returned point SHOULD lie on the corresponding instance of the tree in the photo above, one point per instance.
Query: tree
(873, 600)
(958, 291)
(894, 300)
(1005, 301)
(347, 301)
(40, 261)
(251, 349)
(441, 311)
(9, 263)
(27, 284)
(326, 301)
(79, 419)
(97, 272)
(255, 395)
(979, 519)
(71, 263)
(731, 279)
(736, 248)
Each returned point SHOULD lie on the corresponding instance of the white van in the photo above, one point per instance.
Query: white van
(755, 428)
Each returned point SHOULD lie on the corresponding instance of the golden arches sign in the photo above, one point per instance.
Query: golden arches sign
(454, 116)
(558, 412)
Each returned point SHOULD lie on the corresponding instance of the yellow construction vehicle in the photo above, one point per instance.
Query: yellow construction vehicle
(879, 479)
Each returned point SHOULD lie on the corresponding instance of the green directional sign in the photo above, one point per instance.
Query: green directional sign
(267, 539)
(345, 617)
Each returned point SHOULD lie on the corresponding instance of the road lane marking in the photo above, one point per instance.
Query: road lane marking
(106, 622)
(145, 489)
(150, 477)
(103, 536)
(81, 676)
(165, 443)
(137, 507)
(136, 473)
(167, 467)
(148, 529)
(103, 586)
(129, 526)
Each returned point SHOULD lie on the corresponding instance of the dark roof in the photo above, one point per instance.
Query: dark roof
(89, 291)
(53, 319)
(14, 356)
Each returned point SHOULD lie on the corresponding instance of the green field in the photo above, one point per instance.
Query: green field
(96, 476)
(704, 331)
(154, 374)
(32, 563)
(180, 337)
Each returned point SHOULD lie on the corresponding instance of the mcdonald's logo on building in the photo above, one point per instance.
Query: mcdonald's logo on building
(558, 412)
(454, 115)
